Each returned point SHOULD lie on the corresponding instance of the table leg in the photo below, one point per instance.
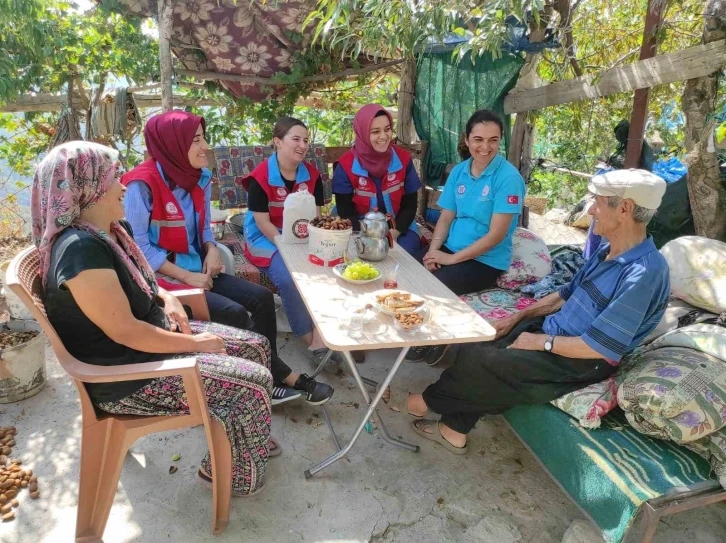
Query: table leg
(330, 427)
(371, 412)
(322, 364)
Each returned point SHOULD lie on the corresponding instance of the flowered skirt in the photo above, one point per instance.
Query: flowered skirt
(237, 386)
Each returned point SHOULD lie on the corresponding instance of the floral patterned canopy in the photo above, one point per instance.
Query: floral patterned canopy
(234, 36)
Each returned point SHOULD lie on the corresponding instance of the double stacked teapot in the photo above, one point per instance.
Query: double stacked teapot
(375, 237)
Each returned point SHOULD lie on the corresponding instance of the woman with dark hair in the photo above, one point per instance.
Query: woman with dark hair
(268, 186)
(375, 174)
(482, 199)
(168, 206)
(102, 297)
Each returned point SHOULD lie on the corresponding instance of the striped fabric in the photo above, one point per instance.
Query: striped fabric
(614, 304)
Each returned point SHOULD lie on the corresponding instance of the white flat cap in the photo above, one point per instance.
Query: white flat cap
(643, 187)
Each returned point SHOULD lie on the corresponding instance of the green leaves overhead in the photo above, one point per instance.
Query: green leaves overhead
(42, 42)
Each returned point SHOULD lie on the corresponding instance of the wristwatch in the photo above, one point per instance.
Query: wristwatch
(549, 344)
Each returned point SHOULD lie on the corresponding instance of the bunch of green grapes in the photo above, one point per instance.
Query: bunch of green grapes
(360, 271)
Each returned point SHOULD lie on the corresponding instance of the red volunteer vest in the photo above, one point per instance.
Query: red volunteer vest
(167, 219)
(276, 195)
(364, 188)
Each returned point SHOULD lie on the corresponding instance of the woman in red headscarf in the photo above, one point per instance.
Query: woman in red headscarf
(375, 174)
(168, 206)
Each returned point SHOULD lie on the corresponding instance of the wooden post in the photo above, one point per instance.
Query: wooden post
(642, 96)
(165, 30)
(406, 130)
(522, 140)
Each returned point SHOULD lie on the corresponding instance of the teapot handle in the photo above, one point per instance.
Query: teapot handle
(359, 246)
(389, 237)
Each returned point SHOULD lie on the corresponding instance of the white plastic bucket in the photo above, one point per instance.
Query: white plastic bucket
(22, 367)
(327, 247)
(16, 308)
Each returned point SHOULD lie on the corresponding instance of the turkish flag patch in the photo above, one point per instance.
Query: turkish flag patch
(513, 199)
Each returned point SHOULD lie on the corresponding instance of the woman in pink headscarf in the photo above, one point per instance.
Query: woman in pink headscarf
(376, 174)
(103, 300)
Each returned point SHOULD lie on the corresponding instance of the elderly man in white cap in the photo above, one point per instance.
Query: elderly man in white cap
(571, 338)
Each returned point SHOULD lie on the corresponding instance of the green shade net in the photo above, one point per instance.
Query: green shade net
(448, 93)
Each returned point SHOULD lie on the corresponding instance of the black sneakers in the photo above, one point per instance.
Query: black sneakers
(282, 394)
(315, 393)
(432, 355)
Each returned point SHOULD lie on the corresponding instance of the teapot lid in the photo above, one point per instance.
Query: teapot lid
(375, 216)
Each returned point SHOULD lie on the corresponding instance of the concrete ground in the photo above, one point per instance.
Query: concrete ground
(497, 493)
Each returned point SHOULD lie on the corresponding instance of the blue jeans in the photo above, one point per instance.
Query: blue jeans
(297, 313)
(410, 241)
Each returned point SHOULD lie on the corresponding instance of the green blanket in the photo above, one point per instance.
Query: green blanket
(608, 472)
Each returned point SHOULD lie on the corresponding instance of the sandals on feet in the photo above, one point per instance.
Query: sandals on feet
(403, 408)
(273, 448)
(435, 435)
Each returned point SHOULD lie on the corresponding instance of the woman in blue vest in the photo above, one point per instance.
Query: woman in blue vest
(168, 206)
(375, 174)
(482, 199)
(267, 187)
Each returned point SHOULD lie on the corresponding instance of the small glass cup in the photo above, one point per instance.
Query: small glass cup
(391, 279)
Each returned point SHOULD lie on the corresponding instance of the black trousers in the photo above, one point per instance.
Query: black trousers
(487, 378)
(232, 300)
(464, 277)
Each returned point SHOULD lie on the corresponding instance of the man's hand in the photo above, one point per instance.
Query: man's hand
(438, 257)
(213, 261)
(174, 311)
(505, 326)
(529, 342)
(198, 280)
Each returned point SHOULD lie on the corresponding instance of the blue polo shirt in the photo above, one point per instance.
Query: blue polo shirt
(614, 304)
(499, 189)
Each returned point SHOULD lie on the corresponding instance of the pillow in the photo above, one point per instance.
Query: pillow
(675, 393)
(530, 261)
(698, 271)
(707, 338)
(588, 405)
(678, 313)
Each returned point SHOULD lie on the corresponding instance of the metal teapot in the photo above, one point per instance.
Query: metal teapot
(375, 237)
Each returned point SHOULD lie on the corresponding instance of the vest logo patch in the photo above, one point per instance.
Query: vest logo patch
(391, 176)
(281, 192)
(300, 228)
(461, 189)
(302, 186)
(171, 209)
(362, 181)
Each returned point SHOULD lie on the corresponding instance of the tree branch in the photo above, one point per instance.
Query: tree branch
(563, 8)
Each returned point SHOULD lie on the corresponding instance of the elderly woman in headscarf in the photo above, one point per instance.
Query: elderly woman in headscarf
(375, 174)
(168, 205)
(102, 298)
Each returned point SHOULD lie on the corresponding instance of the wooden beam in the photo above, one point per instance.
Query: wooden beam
(697, 61)
(648, 49)
(257, 80)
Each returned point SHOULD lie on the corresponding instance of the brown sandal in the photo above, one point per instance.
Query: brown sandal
(435, 436)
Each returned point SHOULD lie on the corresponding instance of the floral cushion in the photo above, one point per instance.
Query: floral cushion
(675, 393)
(698, 271)
(495, 304)
(588, 405)
(531, 261)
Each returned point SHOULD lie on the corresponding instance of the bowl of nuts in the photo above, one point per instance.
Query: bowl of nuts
(328, 240)
(409, 322)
